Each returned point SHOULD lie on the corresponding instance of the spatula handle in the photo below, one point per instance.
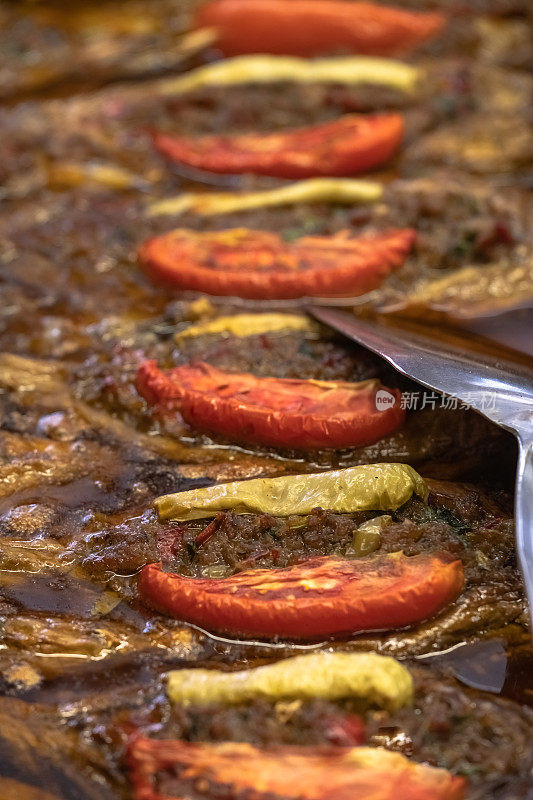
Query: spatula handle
(524, 515)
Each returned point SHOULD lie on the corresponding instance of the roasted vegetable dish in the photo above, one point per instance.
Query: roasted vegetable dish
(240, 556)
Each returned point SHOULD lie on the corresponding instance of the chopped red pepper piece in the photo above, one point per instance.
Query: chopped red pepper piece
(345, 730)
(179, 770)
(210, 530)
(260, 265)
(315, 27)
(321, 597)
(272, 411)
(347, 146)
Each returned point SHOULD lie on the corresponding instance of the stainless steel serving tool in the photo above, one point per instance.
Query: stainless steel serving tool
(499, 388)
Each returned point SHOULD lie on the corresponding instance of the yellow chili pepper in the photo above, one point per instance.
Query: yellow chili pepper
(242, 325)
(379, 487)
(377, 680)
(347, 70)
(343, 191)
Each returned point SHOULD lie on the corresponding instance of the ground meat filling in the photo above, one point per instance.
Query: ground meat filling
(476, 735)
(282, 356)
(111, 383)
(83, 660)
(448, 725)
(232, 543)
(292, 722)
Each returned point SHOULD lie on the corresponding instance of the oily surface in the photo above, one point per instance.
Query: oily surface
(82, 456)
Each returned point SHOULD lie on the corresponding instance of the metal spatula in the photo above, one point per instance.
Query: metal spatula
(499, 387)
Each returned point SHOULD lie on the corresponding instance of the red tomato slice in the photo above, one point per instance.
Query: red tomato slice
(321, 597)
(315, 27)
(259, 265)
(350, 145)
(271, 411)
(165, 769)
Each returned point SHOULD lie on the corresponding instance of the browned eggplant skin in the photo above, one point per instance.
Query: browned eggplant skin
(82, 660)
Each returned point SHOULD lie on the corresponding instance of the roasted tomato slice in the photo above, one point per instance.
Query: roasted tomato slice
(272, 411)
(178, 770)
(315, 27)
(324, 596)
(345, 147)
(260, 265)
